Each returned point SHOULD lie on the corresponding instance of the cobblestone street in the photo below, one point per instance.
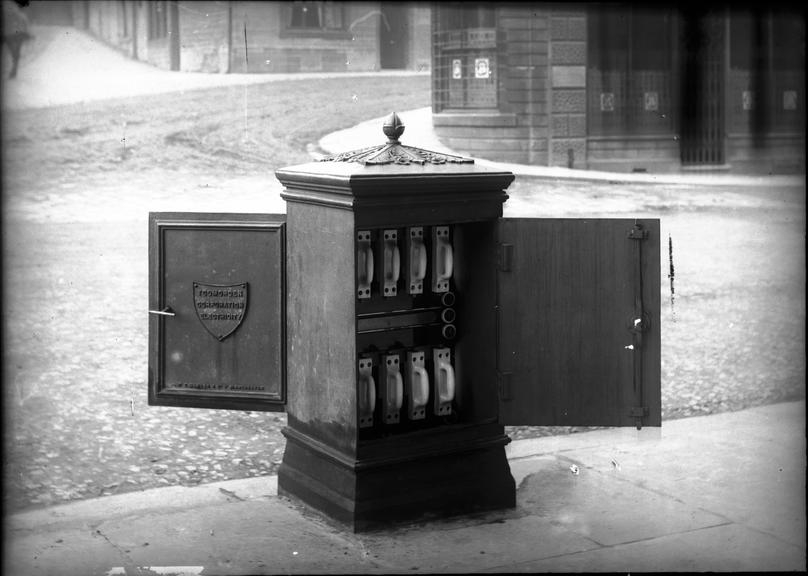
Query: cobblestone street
(79, 181)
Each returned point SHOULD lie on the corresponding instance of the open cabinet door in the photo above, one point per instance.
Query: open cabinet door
(217, 311)
(578, 328)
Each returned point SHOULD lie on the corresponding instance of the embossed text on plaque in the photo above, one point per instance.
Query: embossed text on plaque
(220, 308)
(219, 282)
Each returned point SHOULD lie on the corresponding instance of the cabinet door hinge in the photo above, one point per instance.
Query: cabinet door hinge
(638, 411)
(638, 233)
(504, 379)
(505, 257)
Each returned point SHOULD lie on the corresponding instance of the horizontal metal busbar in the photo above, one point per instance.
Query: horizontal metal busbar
(397, 320)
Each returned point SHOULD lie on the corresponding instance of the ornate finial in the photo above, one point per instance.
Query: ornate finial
(393, 128)
(394, 152)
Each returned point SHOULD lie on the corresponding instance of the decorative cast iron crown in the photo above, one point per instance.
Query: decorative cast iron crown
(394, 152)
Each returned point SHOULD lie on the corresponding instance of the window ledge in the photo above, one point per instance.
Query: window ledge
(473, 117)
(629, 136)
(772, 133)
(316, 33)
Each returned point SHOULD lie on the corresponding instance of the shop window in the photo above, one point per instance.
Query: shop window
(621, 40)
(747, 43)
(788, 42)
(788, 72)
(767, 60)
(466, 68)
(629, 77)
(748, 71)
(314, 17)
(650, 40)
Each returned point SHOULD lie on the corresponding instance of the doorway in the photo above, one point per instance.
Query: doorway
(702, 124)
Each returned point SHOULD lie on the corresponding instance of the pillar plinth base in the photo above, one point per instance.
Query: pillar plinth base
(424, 481)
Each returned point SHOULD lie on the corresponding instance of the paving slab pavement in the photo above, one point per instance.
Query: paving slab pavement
(724, 492)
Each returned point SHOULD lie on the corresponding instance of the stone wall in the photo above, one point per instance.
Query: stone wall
(204, 37)
(272, 48)
(568, 87)
(517, 131)
(420, 37)
(541, 55)
(211, 36)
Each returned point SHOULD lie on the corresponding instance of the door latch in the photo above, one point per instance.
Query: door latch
(167, 311)
(639, 324)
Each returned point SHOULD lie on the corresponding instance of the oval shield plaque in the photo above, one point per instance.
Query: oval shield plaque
(220, 308)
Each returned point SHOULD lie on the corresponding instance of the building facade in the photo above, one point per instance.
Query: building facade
(263, 37)
(621, 87)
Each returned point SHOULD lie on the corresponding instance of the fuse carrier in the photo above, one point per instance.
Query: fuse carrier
(406, 328)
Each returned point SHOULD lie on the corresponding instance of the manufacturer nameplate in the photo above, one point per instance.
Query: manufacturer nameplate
(219, 307)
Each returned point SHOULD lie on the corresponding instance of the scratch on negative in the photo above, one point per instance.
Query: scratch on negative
(368, 15)
(670, 263)
(246, 59)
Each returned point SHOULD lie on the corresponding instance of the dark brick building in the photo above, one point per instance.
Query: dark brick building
(621, 87)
